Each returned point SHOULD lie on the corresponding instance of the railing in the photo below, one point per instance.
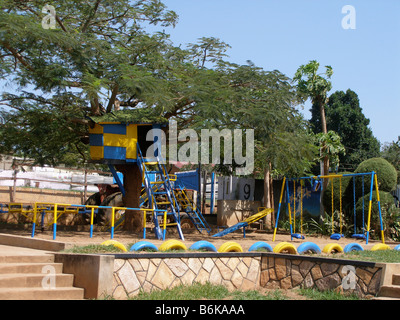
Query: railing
(59, 209)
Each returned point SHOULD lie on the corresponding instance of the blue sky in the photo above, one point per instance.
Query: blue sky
(285, 34)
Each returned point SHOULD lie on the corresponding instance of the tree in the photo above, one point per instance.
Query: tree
(344, 116)
(97, 59)
(391, 152)
(316, 86)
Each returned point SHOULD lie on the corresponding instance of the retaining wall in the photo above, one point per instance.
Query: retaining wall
(291, 271)
(244, 271)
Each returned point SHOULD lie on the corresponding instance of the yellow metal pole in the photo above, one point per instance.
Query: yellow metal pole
(55, 221)
(112, 222)
(379, 208)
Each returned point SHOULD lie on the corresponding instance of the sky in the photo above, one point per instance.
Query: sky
(362, 46)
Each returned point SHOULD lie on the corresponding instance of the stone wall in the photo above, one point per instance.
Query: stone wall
(291, 271)
(149, 272)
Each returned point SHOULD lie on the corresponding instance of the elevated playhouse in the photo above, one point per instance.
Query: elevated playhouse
(134, 138)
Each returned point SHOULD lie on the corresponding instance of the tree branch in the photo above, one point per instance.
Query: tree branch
(91, 16)
(18, 56)
(112, 99)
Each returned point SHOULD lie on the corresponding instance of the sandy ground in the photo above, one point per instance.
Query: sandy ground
(82, 238)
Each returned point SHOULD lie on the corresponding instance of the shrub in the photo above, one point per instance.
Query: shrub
(387, 174)
(387, 203)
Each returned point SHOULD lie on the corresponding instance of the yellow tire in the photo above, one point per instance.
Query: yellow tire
(332, 248)
(230, 246)
(285, 247)
(116, 244)
(380, 246)
(172, 245)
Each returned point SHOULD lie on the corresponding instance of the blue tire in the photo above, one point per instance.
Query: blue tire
(308, 246)
(353, 247)
(143, 245)
(397, 248)
(203, 245)
(261, 245)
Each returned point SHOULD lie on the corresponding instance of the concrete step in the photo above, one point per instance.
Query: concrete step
(391, 291)
(61, 293)
(6, 268)
(34, 258)
(385, 298)
(31, 280)
(396, 279)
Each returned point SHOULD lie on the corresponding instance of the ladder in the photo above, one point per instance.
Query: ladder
(192, 211)
(163, 191)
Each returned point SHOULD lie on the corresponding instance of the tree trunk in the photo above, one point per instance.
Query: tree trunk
(133, 187)
(267, 195)
(325, 165)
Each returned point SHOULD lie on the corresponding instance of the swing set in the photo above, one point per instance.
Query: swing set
(316, 182)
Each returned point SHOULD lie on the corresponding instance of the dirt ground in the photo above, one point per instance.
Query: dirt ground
(82, 238)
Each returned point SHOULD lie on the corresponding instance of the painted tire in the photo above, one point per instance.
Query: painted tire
(116, 244)
(261, 245)
(143, 245)
(285, 247)
(332, 248)
(353, 247)
(397, 248)
(172, 245)
(380, 246)
(230, 246)
(308, 246)
(203, 245)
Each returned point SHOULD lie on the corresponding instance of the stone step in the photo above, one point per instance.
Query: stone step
(385, 298)
(391, 291)
(6, 268)
(61, 293)
(34, 258)
(31, 280)
(396, 279)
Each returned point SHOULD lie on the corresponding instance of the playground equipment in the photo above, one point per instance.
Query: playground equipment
(261, 245)
(243, 224)
(353, 247)
(285, 247)
(116, 244)
(172, 245)
(230, 246)
(143, 245)
(315, 182)
(203, 245)
(332, 248)
(306, 247)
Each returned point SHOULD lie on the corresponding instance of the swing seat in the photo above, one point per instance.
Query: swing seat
(359, 236)
(297, 236)
(337, 236)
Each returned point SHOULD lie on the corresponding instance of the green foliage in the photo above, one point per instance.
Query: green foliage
(391, 152)
(390, 214)
(387, 175)
(331, 147)
(344, 116)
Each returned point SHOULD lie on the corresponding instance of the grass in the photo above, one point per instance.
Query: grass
(93, 249)
(314, 294)
(385, 256)
(207, 291)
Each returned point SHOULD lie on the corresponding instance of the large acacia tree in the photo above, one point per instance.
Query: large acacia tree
(100, 57)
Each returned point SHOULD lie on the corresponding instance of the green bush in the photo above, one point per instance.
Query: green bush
(386, 201)
(386, 172)
(347, 194)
